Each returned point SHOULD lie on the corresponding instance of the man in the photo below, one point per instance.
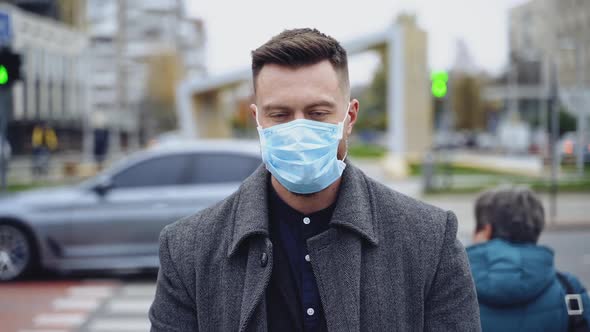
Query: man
(101, 146)
(44, 141)
(517, 284)
(309, 242)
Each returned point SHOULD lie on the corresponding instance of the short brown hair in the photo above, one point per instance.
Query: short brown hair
(300, 47)
(515, 213)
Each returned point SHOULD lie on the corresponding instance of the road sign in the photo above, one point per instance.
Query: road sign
(5, 29)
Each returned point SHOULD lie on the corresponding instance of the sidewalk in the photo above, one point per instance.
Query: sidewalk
(20, 168)
(572, 208)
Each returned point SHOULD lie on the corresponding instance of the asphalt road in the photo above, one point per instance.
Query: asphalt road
(572, 251)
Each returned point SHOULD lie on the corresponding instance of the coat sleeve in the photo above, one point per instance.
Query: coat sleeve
(173, 308)
(451, 303)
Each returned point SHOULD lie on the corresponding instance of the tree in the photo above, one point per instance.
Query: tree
(567, 121)
(158, 107)
(467, 103)
(374, 113)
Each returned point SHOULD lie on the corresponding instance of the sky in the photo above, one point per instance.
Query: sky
(234, 28)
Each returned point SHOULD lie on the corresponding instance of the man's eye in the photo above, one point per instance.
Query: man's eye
(318, 114)
(278, 115)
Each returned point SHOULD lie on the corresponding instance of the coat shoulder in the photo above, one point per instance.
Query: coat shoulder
(201, 228)
(397, 210)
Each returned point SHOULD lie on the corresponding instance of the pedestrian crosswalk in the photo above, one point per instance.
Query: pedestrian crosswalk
(103, 308)
(125, 311)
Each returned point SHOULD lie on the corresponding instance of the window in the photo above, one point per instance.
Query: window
(222, 167)
(159, 171)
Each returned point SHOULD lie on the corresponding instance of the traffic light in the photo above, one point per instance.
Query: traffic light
(9, 68)
(439, 83)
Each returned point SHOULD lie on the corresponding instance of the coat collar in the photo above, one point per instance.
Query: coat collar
(354, 208)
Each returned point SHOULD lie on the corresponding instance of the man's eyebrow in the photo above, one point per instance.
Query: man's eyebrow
(321, 103)
(279, 107)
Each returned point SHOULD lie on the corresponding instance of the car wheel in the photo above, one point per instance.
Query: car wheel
(16, 253)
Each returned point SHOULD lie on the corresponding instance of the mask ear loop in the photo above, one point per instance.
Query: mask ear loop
(346, 115)
(257, 122)
(346, 142)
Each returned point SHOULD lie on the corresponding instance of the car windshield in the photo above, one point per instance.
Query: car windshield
(109, 171)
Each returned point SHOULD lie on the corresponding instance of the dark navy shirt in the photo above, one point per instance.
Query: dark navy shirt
(293, 299)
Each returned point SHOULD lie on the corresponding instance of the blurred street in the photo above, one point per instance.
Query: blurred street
(572, 253)
(99, 303)
(119, 117)
(571, 207)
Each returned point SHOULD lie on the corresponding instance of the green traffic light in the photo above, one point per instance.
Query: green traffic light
(439, 83)
(3, 75)
(439, 89)
(439, 76)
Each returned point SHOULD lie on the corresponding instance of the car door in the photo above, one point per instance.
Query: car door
(212, 177)
(127, 219)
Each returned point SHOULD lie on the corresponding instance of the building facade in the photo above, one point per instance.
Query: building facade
(53, 87)
(124, 36)
(554, 31)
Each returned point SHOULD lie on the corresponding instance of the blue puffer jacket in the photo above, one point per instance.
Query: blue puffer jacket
(517, 287)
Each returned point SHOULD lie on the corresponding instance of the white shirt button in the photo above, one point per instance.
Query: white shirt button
(306, 220)
(307, 258)
(310, 311)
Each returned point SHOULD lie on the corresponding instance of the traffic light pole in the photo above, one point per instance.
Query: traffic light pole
(555, 158)
(4, 107)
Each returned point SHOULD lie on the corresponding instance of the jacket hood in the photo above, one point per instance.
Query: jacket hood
(510, 274)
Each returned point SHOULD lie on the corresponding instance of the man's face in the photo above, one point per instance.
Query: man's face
(311, 92)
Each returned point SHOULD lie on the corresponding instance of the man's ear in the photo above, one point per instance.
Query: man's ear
(352, 115)
(483, 235)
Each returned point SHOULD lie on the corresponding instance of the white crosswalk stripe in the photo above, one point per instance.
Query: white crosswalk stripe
(119, 325)
(70, 303)
(45, 330)
(141, 290)
(125, 311)
(59, 319)
(72, 310)
(90, 291)
(129, 306)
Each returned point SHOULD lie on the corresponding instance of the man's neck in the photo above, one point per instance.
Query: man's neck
(307, 204)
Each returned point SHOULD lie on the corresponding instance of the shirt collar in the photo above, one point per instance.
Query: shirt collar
(281, 210)
(354, 209)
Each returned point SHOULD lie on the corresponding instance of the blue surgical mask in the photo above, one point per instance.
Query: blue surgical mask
(302, 154)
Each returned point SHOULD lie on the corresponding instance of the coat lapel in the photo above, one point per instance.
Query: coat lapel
(336, 253)
(258, 272)
(250, 236)
(336, 261)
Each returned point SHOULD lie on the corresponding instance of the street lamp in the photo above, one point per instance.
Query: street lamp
(574, 99)
(550, 88)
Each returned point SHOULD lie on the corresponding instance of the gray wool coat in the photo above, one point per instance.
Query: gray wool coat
(387, 263)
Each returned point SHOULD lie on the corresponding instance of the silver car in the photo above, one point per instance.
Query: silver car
(113, 220)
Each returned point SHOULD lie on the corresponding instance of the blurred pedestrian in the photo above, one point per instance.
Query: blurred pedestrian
(6, 150)
(44, 141)
(309, 242)
(101, 146)
(5, 156)
(518, 287)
